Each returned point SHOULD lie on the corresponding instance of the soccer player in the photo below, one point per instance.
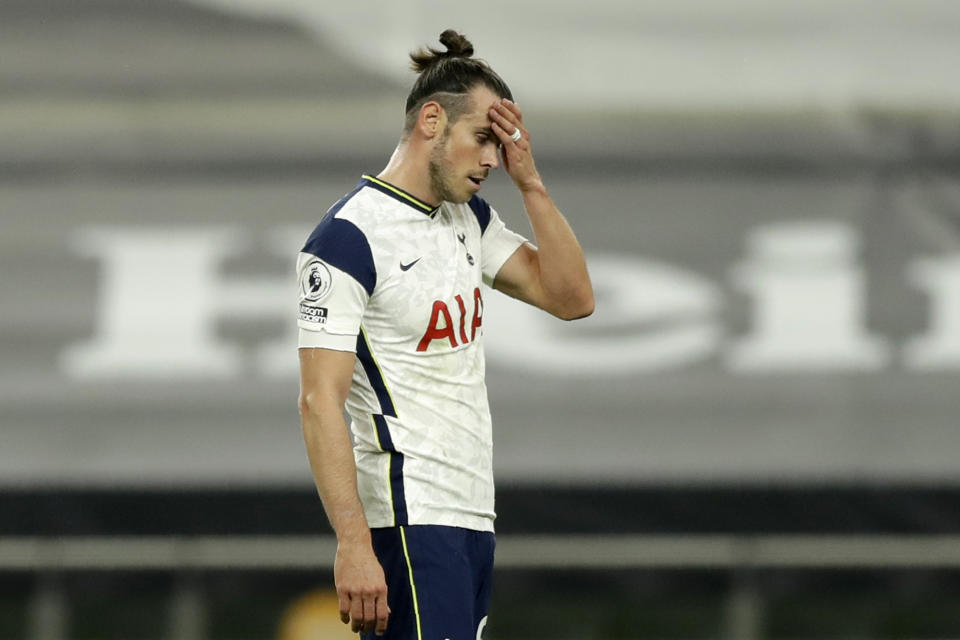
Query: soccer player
(391, 316)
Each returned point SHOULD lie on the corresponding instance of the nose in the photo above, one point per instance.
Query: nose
(490, 157)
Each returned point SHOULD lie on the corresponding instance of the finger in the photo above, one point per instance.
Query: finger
(507, 138)
(369, 612)
(344, 608)
(514, 108)
(501, 133)
(356, 614)
(504, 114)
(512, 117)
(383, 612)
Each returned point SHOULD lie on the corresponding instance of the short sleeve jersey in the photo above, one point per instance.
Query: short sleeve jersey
(399, 282)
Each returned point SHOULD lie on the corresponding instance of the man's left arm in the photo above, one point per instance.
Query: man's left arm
(553, 275)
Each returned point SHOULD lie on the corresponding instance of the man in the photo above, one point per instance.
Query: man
(391, 315)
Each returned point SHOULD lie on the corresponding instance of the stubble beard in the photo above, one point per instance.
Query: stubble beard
(440, 173)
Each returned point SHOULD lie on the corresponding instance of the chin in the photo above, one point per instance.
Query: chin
(458, 198)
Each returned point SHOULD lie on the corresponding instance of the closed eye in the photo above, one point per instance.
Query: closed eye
(484, 135)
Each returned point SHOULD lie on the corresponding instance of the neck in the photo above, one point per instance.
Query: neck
(409, 169)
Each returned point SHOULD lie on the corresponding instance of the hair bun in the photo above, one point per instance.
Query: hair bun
(457, 47)
(456, 43)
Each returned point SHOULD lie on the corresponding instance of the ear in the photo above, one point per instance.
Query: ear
(432, 119)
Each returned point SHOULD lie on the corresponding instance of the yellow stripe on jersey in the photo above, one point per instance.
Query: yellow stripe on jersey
(376, 434)
(413, 587)
(406, 196)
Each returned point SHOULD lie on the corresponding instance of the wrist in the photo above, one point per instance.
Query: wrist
(351, 546)
(354, 536)
(534, 186)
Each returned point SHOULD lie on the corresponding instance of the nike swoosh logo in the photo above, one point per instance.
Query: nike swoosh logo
(406, 267)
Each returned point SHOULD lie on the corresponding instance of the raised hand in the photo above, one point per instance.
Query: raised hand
(517, 154)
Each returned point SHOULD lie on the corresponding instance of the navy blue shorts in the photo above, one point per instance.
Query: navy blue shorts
(438, 581)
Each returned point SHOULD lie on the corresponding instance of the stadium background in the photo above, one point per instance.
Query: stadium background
(754, 436)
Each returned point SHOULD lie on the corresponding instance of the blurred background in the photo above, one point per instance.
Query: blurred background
(755, 435)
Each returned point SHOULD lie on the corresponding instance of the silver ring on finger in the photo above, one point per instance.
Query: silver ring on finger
(516, 135)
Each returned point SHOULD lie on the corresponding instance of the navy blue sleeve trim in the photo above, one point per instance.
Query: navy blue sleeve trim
(482, 210)
(341, 244)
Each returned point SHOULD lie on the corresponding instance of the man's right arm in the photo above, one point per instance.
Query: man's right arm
(325, 378)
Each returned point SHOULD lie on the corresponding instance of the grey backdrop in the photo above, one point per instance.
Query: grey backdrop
(778, 292)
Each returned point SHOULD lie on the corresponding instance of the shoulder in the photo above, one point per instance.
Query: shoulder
(481, 210)
(339, 240)
(340, 225)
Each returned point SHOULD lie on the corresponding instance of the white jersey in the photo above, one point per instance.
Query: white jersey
(399, 282)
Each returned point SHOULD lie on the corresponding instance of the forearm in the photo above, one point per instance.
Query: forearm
(562, 267)
(334, 471)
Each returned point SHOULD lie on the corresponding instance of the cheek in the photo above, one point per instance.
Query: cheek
(463, 150)
(459, 159)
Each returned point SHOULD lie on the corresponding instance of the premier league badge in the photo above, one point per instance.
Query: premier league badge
(315, 281)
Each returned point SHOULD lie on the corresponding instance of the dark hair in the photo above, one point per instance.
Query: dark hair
(447, 77)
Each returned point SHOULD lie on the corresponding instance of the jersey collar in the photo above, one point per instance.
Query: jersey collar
(399, 194)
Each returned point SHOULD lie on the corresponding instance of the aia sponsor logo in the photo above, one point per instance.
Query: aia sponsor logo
(442, 326)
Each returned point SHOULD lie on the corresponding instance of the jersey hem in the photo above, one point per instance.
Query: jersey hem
(443, 519)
